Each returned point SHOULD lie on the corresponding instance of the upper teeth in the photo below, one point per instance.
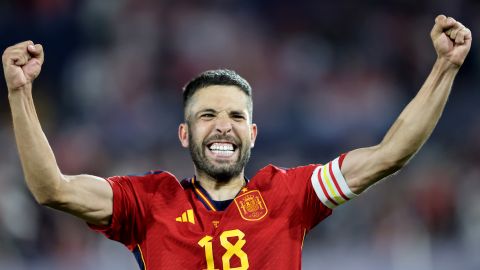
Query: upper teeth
(222, 146)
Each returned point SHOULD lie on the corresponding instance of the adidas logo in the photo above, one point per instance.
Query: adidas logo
(186, 216)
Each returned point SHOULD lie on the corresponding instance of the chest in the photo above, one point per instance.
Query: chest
(254, 227)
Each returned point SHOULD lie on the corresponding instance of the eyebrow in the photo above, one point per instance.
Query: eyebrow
(237, 112)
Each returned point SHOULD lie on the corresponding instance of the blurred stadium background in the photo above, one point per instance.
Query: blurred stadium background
(328, 76)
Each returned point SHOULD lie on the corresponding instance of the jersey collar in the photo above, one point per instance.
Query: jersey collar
(205, 198)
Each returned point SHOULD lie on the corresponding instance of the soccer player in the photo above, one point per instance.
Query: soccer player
(219, 219)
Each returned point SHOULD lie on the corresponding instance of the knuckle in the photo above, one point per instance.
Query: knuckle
(7, 54)
(7, 50)
(440, 17)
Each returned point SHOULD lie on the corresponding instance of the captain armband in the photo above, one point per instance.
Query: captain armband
(330, 185)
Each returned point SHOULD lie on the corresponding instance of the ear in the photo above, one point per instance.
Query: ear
(253, 135)
(183, 134)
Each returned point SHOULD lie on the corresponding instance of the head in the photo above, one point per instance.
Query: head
(218, 128)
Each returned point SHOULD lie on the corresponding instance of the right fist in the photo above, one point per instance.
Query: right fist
(22, 64)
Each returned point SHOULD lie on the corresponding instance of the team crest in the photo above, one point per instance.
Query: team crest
(251, 205)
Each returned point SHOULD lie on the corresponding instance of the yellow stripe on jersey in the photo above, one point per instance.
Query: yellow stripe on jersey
(303, 238)
(143, 258)
(205, 199)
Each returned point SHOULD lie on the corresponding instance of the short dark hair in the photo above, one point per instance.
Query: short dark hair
(217, 77)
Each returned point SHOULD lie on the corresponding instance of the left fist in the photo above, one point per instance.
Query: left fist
(451, 40)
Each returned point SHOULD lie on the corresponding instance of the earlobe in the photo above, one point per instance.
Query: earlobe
(183, 134)
(253, 135)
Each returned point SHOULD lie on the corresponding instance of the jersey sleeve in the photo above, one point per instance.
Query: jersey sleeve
(129, 213)
(319, 189)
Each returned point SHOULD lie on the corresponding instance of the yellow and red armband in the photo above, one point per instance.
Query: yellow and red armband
(330, 185)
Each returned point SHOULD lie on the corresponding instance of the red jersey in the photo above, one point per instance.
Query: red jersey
(172, 225)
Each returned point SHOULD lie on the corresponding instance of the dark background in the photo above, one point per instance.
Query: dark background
(328, 77)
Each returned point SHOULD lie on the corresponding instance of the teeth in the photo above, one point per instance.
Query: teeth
(223, 153)
(221, 147)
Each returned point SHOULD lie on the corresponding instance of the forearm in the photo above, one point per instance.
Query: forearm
(41, 172)
(417, 121)
(365, 166)
(86, 196)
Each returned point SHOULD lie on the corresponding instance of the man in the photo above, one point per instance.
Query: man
(219, 219)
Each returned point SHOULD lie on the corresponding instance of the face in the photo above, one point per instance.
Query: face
(218, 132)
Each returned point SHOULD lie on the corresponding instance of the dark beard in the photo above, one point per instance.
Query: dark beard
(220, 173)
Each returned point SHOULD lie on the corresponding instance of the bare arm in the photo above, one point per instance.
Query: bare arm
(88, 197)
(364, 167)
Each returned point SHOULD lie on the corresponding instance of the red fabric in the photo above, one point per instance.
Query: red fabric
(145, 209)
(341, 158)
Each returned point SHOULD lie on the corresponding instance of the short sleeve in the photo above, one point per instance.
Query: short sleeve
(129, 211)
(319, 189)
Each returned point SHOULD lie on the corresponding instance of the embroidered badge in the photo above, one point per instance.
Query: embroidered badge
(251, 205)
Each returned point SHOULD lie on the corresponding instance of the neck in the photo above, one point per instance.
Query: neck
(221, 191)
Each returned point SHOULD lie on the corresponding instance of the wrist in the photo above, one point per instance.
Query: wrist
(443, 64)
(23, 91)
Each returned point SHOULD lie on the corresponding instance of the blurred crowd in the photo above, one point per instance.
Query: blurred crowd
(328, 77)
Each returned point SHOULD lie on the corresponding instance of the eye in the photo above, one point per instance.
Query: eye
(238, 117)
(207, 116)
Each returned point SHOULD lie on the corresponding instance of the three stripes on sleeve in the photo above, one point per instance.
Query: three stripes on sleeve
(330, 185)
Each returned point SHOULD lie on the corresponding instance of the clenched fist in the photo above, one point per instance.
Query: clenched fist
(22, 63)
(451, 40)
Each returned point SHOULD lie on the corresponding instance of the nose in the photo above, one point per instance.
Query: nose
(223, 124)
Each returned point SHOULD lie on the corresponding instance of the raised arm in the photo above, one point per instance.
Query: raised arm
(88, 197)
(364, 167)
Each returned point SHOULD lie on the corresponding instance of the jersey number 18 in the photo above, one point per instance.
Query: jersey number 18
(231, 250)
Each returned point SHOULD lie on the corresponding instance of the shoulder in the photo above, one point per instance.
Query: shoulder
(272, 176)
(272, 171)
(149, 182)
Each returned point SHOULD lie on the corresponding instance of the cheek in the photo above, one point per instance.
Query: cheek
(244, 133)
(198, 133)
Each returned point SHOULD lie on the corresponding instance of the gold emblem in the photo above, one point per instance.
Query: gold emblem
(251, 205)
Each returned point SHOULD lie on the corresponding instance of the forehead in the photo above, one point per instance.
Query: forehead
(219, 98)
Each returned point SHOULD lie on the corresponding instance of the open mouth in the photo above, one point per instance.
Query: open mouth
(222, 149)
